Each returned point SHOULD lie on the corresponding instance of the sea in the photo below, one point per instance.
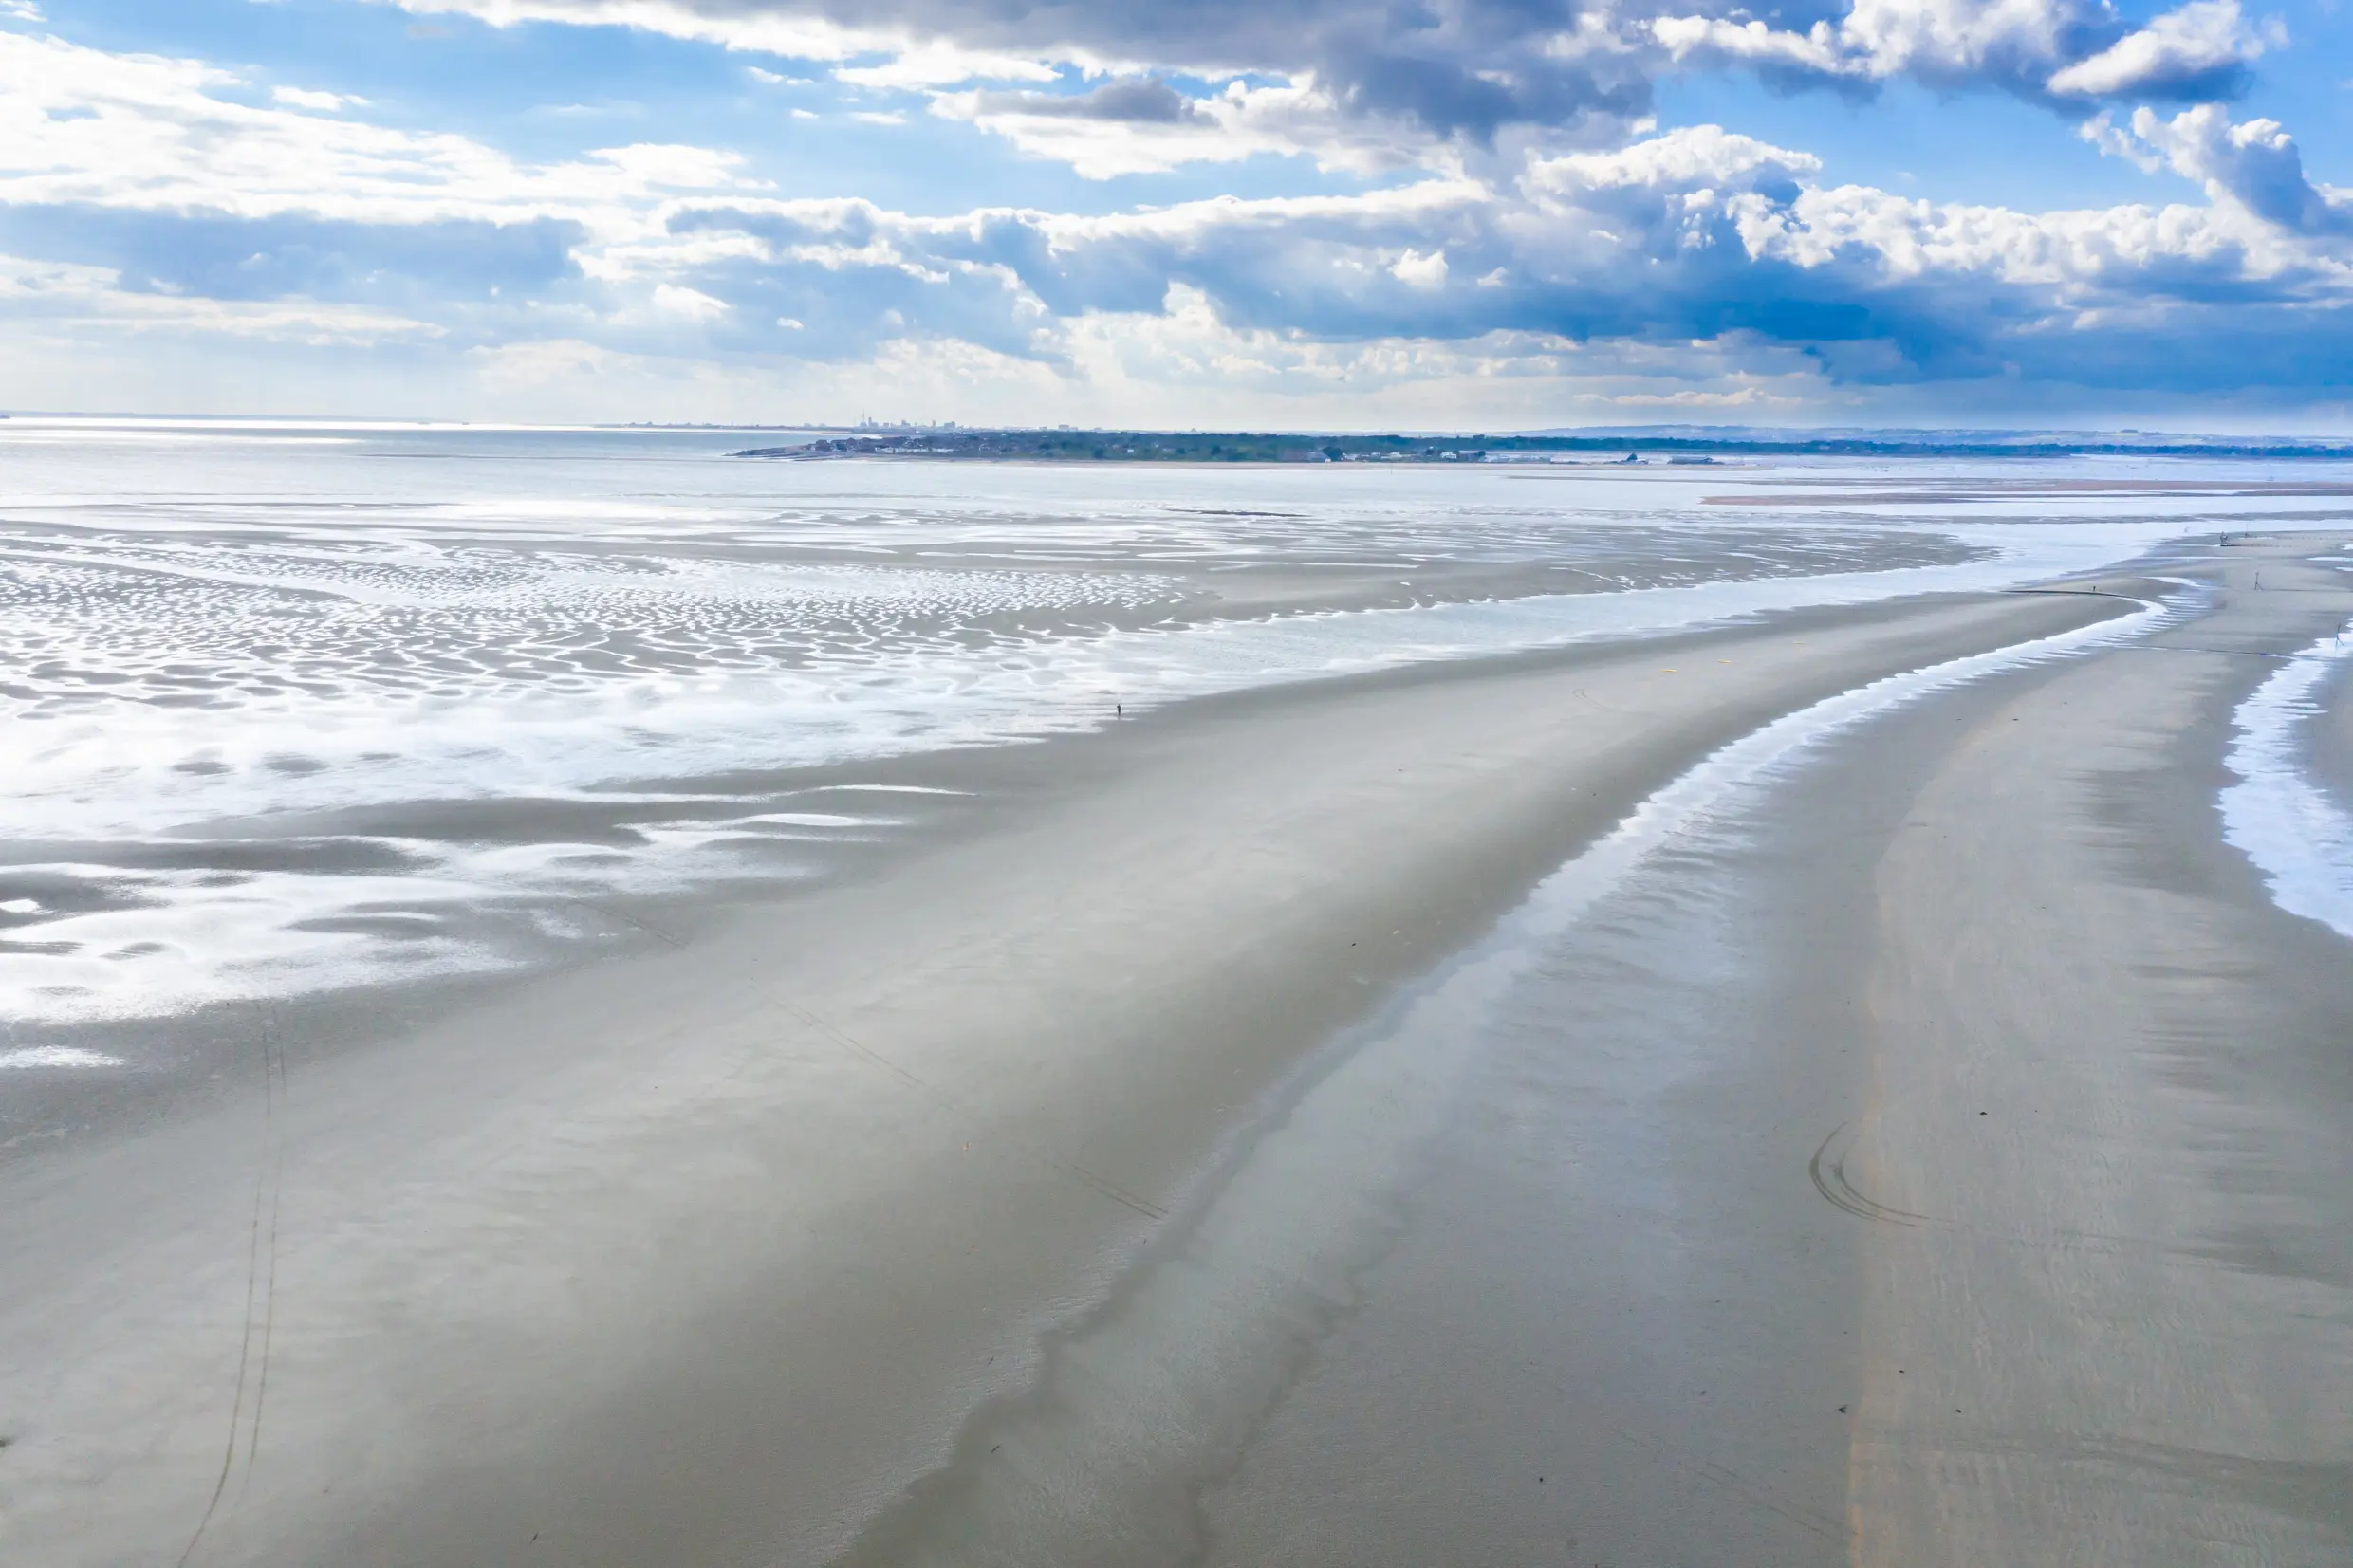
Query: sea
(294, 707)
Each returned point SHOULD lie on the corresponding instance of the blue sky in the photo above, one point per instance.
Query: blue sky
(1306, 213)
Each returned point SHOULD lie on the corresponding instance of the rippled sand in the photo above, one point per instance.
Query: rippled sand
(291, 714)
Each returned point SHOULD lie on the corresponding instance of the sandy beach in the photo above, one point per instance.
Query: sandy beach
(1931, 1152)
(1360, 784)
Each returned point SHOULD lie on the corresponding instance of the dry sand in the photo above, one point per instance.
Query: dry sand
(708, 1256)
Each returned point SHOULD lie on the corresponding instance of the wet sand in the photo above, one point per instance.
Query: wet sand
(849, 1227)
(1945, 1165)
(2107, 1311)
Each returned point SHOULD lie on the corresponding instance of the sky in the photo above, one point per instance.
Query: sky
(1326, 214)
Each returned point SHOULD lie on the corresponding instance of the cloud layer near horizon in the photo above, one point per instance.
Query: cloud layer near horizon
(1504, 223)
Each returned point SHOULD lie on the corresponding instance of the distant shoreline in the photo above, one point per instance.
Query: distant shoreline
(1076, 445)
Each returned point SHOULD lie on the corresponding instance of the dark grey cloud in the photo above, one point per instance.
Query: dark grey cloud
(1146, 101)
(1457, 68)
(1467, 69)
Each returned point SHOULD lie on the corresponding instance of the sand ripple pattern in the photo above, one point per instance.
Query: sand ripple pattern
(260, 746)
(105, 620)
(194, 721)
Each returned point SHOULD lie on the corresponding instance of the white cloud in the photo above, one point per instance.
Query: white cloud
(303, 98)
(511, 367)
(80, 126)
(1242, 122)
(1453, 77)
(877, 116)
(1692, 397)
(1418, 269)
(1690, 238)
(672, 300)
(909, 57)
(1608, 256)
(1697, 155)
(795, 37)
(2199, 38)
(652, 166)
(2034, 45)
(2251, 167)
(2101, 130)
(1819, 50)
(1370, 88)
(64, 296)
(937, 63)
(1957, 37)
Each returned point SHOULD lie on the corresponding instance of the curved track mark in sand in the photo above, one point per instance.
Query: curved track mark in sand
(261, 1288)
(1830, 1176)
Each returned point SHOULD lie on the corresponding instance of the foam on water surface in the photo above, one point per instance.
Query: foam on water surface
(2299, 835)
(55, 1057)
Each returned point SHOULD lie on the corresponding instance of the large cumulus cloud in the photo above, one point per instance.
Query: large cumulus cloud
(1696, 235)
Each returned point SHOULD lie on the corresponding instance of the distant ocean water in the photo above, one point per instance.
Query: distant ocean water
(286, 708)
